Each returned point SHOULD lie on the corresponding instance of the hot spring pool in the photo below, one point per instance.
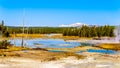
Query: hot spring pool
(46, 43)
(56, 43)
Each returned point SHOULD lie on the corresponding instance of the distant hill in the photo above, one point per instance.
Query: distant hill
(73, 25)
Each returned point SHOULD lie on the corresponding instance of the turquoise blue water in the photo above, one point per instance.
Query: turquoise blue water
(102, 51)
(90, 50)
(46, 43)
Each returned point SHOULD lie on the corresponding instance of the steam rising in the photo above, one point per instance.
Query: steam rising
(117, 33)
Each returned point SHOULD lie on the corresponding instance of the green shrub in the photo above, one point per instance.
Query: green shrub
(4, 44)
(6, 34)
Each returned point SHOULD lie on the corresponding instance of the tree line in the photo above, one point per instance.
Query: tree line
(90, 31)
(84, 31)
(36, 30)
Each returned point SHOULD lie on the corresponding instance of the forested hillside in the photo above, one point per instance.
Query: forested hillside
(36, 30)
(84, 31)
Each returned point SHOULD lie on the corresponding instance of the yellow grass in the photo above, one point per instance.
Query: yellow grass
(10, 51)
(57, 36)
(13, 49)
(65, 37)
(27, 35)
(111, 46)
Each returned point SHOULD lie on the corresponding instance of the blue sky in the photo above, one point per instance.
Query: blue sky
(57, 12)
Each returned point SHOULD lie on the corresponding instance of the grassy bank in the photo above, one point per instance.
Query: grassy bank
(27, 35)
(110, 46)
(41, 54)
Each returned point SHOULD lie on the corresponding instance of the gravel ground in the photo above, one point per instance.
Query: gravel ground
(69, 62)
